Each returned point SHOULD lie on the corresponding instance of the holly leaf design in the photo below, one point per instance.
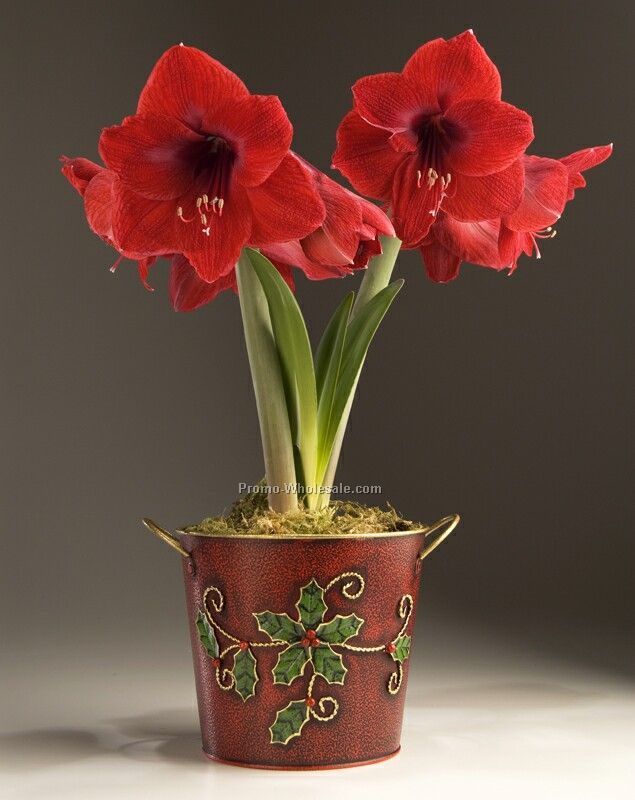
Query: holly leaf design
(245, 675)
(289, 722)
(206, 635)
(402, 648)
(290, 664)
(279, 627)
(339, 629)
(329, 664)
(311, 605)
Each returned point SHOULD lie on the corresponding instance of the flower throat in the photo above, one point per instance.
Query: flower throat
(213, 160)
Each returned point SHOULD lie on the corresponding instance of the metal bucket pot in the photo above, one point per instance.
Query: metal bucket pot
(302, 644)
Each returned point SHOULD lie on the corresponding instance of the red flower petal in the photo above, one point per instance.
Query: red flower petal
(259, 130)
(188, 291)
(292, 254)
(386, 100)
(545, 195)
(286, 206)
(187, 84)
(413, 206)
(365, 157)
(99, 203)
(582, 160)
(453, 70)
(143, 267)
(321, 249)
(485, 197)
(149, 154)
(510, 246)
(441, 265)
(149, 227)
(335, 243)
(374, 217)
(216, 255)
(79, 172)
(486, 136)
(476, 242)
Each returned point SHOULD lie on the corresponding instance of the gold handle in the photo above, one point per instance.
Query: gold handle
(157, 530)
(448, 524)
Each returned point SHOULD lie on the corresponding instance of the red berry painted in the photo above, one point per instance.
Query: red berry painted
(390, 648)
(306, 642)
(311, 634)
(244, 645)
(315, 642)
(310, 701)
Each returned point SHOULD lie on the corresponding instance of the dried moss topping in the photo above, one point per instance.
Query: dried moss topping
(251, 514)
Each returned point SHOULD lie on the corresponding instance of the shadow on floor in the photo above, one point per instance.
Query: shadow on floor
(172, 734)
(49, 747)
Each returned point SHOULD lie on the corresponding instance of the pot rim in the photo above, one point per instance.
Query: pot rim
(277, 537)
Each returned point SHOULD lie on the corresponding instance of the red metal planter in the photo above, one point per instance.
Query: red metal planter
(301, 644)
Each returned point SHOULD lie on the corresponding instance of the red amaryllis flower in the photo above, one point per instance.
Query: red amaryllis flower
(204, 168)
(435, 136)
(549, 185)
(344, 242)
(97, 186)
(498, 243)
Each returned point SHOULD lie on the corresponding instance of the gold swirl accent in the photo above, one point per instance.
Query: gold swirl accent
(346, 589)
(406, 604)
(218, 601)
(395, 679)
(323, 715)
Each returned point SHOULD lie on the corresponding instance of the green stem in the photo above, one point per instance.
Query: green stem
(378, 274)
(376, 278)
(268, 388)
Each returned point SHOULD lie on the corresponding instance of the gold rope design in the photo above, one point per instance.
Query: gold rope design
(218, 602)
(395, 679)
(405, 612)
(346, 589)
(324, 715)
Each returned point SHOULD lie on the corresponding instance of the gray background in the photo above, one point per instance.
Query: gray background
(508, 400)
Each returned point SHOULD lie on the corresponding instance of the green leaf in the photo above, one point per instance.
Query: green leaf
(359, 335)
(245, 675)
(311, 605)
(279, 627)
(402, 648)
(328, 360)
(206, 635)
(296, 361)
(329, 664)
(290, 664)
(339, 629)
(266, 375)
(289, 722)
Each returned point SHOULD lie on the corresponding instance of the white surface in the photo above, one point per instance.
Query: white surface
(481, 722)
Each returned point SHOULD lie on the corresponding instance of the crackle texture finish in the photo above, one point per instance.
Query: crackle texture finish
(254, 575)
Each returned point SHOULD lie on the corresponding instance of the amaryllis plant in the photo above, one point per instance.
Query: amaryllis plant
(203, 174)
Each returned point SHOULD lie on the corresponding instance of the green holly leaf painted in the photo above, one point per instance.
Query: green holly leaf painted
(339, 629)
(245, 675)
(206, 635)
(329, 664)
(279, 627)
(289, 722)
(290, 664)
(311, 605)
(402, 648)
